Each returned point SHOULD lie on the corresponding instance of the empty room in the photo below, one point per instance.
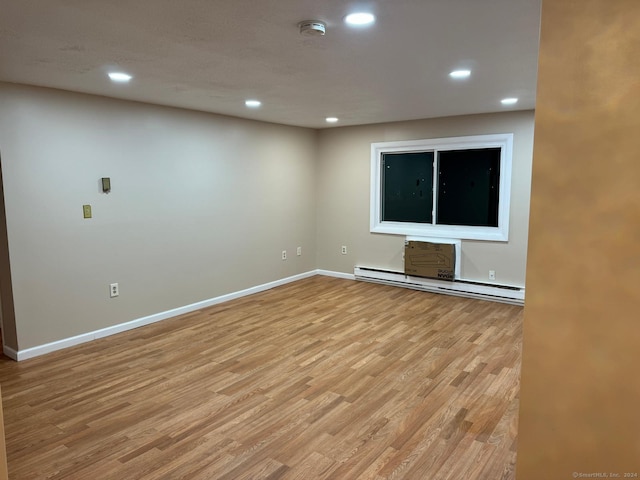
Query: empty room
(319, 240)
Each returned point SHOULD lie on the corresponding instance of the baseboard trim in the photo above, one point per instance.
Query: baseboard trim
(329, 273)
(140, 322)
(10, 352)
(39, 350)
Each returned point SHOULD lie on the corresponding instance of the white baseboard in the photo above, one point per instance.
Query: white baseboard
(10, 352)
(157, 317)
(329, 273)
(123, 327)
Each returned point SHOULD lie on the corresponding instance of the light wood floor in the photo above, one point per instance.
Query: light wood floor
(319, 379)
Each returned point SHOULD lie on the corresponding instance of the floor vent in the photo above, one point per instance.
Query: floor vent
(460, 288)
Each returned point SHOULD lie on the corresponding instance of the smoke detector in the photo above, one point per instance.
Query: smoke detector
(312, 28)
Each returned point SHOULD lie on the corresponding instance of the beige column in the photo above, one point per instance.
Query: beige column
(580, 396)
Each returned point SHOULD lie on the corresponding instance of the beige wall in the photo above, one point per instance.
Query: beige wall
(201, 205)
(7, 314)
(344, 192)
(580, 385)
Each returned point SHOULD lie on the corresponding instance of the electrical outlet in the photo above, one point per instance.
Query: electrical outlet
(86, 211)
(492, 274)
(114, 291)
(299, 251)
(344, 249)
(284, 254)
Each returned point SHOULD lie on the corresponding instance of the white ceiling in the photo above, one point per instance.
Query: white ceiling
(211, 55)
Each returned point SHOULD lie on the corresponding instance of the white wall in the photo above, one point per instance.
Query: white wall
(201, 205)
(344, 187)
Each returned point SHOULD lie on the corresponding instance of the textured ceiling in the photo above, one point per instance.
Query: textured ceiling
(211, 55)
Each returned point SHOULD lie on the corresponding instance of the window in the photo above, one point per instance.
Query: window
(449, 187)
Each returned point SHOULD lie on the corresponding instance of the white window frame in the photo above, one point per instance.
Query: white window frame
(504, 141)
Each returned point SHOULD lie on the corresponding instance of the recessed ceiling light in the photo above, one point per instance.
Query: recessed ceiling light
(360, 19)
(253, 103)
(460, 73)
(120, 77)
(509, 101)
(331, 119)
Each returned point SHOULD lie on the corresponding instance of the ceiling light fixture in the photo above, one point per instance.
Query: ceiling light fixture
(331, 119)
(312, 28)
(120, 77)
(253, 103)
(509, 101)
(360, 19)
(460, 74)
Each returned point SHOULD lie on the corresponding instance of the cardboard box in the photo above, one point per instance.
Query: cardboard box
(431, 260)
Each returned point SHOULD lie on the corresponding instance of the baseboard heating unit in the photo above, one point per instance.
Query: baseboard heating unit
(460, 288)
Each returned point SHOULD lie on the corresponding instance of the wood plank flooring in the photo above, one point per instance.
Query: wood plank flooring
(320, 379)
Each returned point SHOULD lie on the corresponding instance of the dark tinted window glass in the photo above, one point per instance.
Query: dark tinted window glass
(468, 187)
(407, 187)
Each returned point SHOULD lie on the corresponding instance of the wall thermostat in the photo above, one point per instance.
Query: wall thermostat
(106, 184)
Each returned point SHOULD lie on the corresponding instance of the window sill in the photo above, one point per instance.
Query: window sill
(493, 234)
